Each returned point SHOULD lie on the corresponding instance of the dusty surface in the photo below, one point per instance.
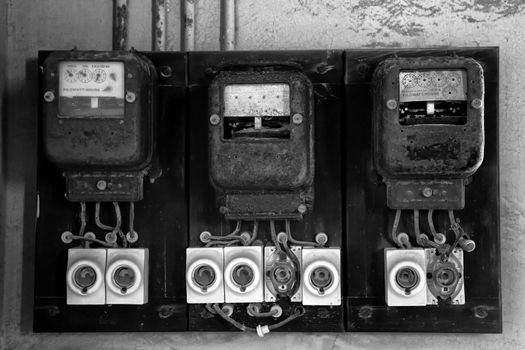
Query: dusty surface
(271, 24)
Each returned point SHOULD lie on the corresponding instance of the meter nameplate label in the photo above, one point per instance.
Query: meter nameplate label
(91, 79)
(256, 100)
(439, 85)
(91, 89)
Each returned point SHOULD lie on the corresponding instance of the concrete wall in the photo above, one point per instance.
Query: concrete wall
(270, 24)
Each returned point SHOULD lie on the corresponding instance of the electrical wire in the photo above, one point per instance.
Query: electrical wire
(237, 229)
(394, 229)
(431, 223)
(273, 233)
(298, 312)
(83, 219)
(255, 231)
(254, 311)
(132, 218)
(97, 219)
(118, 225)
(294, 241)
(297, 264)
(92, 240)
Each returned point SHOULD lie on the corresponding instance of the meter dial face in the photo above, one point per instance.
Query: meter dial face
(99, 76)
(84, 75)
(70, 75)
(91, 89)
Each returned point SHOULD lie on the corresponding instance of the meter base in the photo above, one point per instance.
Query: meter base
(426, 194)
(104, 186)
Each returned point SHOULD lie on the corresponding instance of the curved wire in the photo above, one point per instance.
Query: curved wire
(253, 311)
(294, 241)
(394, 229)
(255, 231)
(117, 229)
(92, 240)
(298, 312)
(273, 233)
(431, 223)
(97, 219)
(237, 229)
(297, 264)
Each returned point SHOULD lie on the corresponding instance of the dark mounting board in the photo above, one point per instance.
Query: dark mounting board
(160, 220)
(181, 204)
(325, 70)
(368, 220)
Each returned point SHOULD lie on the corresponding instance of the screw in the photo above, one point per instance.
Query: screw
(102, 185)
(132, 237)
(321, 238)
(67, 237)
(301, 208)
(130, 97)
(111, 237)
(205, 236)
(215, 119)
(365, 312)
(481, 311)
(297, 118)
(130, 75)
(427, 192)
(165, 71)
(476, 103)
(440, 238)
(49, 96)
(468, 245)
(391, 104)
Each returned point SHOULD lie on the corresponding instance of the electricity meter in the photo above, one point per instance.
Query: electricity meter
(261, 143)
(98, 122)
(428, 129)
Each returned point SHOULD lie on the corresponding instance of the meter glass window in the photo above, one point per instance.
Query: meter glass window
(91, 89)
(256, 111)
(433, 97)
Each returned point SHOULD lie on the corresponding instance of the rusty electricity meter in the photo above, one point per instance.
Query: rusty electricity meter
(428, 129)
(98, 123)
(261, 143)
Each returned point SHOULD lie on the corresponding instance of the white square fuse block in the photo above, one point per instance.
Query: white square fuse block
(405, 277)
(85, 276)
(127, 276)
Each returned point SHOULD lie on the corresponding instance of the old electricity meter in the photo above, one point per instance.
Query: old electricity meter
(428, 129)
(261, 143)
(98, 122)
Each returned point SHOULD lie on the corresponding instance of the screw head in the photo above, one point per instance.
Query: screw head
(297, 118)
(215, 119)
(427, 192)
(321, 238)
(391, 104)
(102, 185)
(223, 210)
(301, 208)
(49, 96)
(130, 97)
(476, 103)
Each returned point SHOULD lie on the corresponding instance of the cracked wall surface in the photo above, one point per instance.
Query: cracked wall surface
(280, 25)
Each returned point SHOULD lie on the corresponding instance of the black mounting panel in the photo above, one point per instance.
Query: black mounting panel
(324, 69)
(350, 205)
(160, 220)
(368, 220)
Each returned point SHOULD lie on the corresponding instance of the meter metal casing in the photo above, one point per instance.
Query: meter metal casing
(262, 175)
(114, 146)
(428, 153)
